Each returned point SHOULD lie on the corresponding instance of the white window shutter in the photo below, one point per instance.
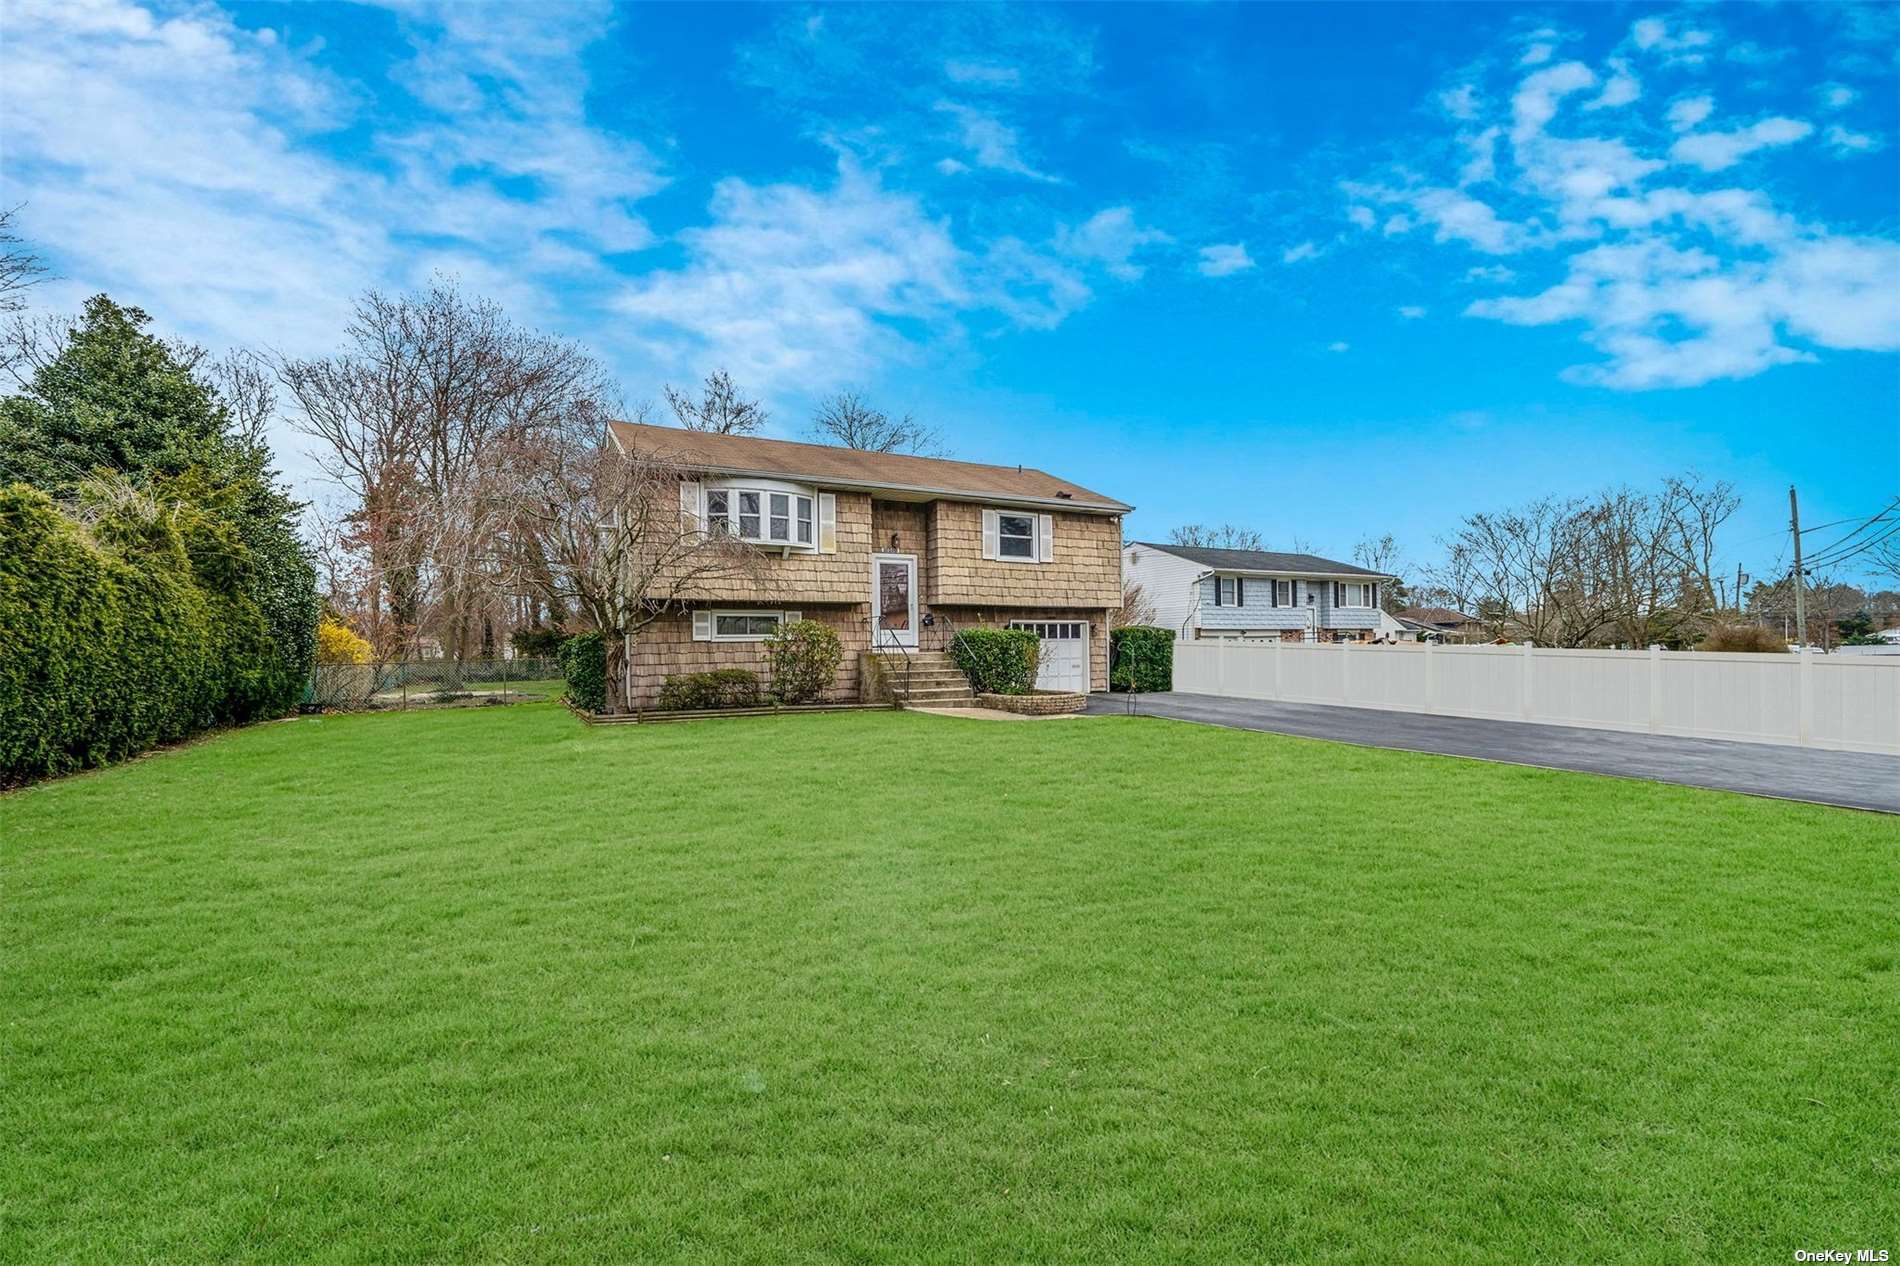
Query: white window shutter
(702, 626)
(691, 502)
(827, 523)
(989, 534)
(1046, 538)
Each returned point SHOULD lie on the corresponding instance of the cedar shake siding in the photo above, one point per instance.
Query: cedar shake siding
(944, 514)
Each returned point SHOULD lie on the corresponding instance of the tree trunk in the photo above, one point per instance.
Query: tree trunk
(615, 646)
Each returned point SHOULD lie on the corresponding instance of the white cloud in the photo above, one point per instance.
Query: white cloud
(1653, 35)
(1482, 163)
(1620, 89)
(789, 284)
(170, 159)
(1670, 284)
(1838, 96)
(1223, 260)
(1411, 311)
(1111, 239)
(1537, 54)
(1460, 101)
(1689, 112)
(1364, 217)
(1535, 103)
(1714, 151)
(1298, 253)
(1853, 142)
(991, 143)
(985, 74)
(1339, 347)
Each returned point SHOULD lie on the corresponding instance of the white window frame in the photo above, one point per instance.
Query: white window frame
(777, 617)
(1282, 597)
(1229, 590)
(1364, 597)
(1034, 538)
(801, 512)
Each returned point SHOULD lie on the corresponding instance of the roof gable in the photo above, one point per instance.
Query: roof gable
(851, 467)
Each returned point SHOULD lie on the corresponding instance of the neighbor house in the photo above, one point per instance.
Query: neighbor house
(1443, 622)
(1201, 592)
(897, 553)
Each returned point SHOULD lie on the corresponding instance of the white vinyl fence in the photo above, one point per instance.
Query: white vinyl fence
(1851, 703)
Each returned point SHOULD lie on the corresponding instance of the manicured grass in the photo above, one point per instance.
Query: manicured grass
(489, 984)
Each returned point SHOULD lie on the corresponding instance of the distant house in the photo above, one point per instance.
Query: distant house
(1443, 621)
(1201, 592)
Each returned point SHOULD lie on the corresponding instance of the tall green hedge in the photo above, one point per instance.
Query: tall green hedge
(998, 661)
(584, 663)
(138, 631)
(1141, 658)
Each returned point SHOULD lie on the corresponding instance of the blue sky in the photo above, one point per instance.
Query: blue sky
(1329, 271)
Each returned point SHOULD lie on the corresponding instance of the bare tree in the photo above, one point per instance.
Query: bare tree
(600, 529)
(1383, 556)
(1137, 607)
(1220, 536)
(248, 386)
(20, 266)
(720, 408)
(1619, 567)
(846, 418)
(412, 416)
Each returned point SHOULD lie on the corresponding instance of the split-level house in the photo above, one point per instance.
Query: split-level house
(895, 552)
(1201, 592)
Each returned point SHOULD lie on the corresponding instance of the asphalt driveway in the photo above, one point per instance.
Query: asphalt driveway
(1855, 780)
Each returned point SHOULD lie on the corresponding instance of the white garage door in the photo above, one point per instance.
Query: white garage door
(1065, 653)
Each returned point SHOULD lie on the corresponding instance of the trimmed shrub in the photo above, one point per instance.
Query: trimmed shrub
(998, 661)
(584, 664)
(1141, 658)
(1743, 637)
(720, 688)
(804, 658)
(138, 631)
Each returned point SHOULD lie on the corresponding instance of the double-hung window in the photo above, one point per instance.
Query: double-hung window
(1355, 594)
(719, 511)
(749, 520)
(1016, 536)
(1282, 593)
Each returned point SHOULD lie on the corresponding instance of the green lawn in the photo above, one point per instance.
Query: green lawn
(488, 984)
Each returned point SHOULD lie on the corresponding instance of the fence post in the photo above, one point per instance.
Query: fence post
(1431, 678)
(1804, 698)
(1279, 676)
(1345, 672)
(1655, 688)
(1220, 665)
(1524, 700)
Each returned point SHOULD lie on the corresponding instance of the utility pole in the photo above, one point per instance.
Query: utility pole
(1800, 596)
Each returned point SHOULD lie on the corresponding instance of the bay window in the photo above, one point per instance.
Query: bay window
(782, 515)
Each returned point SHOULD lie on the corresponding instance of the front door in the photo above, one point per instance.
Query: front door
(894, 599)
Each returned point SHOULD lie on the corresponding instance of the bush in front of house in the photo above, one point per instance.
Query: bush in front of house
(703, 692)
(1743, 637)
(1142, 657)
(998, 661)
(804, 658)
(584, 664)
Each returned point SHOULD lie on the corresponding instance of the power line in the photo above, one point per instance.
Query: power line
(1883, 512)
(1837, 559)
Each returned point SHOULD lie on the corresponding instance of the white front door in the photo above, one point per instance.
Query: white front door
(1065, 653)
(894, 599)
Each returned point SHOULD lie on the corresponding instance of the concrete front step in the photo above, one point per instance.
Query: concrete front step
(933, 696)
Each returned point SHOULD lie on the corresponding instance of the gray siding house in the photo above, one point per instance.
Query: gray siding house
(1255, 593)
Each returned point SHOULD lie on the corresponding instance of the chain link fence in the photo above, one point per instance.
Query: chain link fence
(432, 683)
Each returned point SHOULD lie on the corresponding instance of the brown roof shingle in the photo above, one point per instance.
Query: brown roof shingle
(896, 472)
